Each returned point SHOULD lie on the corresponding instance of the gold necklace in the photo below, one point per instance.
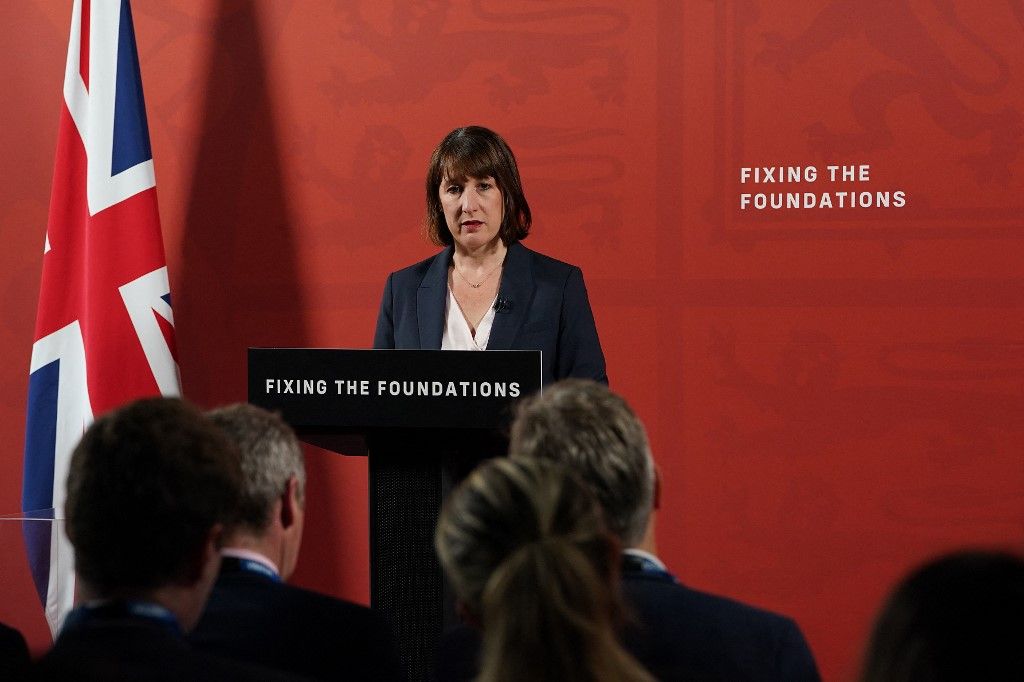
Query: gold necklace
(486, 277)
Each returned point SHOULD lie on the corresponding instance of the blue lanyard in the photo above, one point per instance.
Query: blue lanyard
(250, 566)
(143, 610)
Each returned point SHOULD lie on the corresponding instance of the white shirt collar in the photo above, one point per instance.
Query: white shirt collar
(632, 551)
(239, 553)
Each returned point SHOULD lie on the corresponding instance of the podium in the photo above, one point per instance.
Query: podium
(424, 419)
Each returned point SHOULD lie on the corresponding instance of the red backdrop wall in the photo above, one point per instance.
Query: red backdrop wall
(833, 394)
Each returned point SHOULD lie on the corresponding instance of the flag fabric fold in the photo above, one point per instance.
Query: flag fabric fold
(104, 328)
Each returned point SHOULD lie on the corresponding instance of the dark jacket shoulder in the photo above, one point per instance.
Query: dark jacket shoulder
(683, 633)
(126, 649)
(413, 275)
(252, 618)
(14, 657)
(551, 269)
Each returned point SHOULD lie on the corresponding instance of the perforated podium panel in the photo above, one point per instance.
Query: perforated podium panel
(406, 583)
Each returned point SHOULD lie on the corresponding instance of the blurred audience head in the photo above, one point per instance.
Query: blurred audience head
(527, 551)
(148, 490)
(959, 617)
(585, 426)
(272, 505)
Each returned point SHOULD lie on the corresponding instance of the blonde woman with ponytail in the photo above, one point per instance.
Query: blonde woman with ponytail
(528, 554)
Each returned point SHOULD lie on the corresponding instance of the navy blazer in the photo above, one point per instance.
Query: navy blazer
(680, 633)
(116, 647)
(542, 305)
(251, 617)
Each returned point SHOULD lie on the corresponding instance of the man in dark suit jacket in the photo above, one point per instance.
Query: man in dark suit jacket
(684, 634)
(677, 632)
(148, 489)
(13, 654)
(253, 614)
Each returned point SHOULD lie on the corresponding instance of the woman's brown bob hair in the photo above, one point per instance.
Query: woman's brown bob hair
(476, 152)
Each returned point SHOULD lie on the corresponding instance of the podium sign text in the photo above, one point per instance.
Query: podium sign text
(355, 390)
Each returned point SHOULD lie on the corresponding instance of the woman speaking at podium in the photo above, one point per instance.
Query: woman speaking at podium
(485, 290)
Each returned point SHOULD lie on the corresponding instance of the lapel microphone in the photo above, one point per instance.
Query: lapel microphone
(502, 305)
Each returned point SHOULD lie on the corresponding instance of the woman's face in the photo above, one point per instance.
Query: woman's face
(473, 210)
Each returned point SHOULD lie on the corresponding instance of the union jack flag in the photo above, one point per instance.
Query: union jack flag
(104, 329)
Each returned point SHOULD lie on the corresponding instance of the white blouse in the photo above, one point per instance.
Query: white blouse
(457, 335)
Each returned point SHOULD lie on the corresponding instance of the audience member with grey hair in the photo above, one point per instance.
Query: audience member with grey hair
(678, 632)
(253, 614)
(585, 425)
(272, 504)
(681, 633)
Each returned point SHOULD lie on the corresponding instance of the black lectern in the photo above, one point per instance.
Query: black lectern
(425, 418)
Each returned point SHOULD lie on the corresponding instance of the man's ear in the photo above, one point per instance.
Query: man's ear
(208, 552)
(290, 503)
